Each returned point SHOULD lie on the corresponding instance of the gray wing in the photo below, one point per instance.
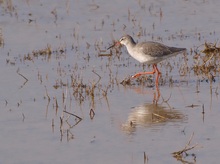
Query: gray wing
(155, 49)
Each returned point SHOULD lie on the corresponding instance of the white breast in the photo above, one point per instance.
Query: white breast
(141, 57)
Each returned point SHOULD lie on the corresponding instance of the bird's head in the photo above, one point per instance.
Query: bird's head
(125, 40)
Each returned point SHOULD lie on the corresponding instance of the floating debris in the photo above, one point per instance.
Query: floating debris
(179, 155)
(107, 55)
(91, 114)
(192, 106)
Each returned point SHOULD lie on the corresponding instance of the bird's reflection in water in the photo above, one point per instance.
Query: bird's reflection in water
(143, 90)
(151, 116)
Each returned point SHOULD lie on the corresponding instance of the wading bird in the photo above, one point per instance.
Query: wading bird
(148, 53)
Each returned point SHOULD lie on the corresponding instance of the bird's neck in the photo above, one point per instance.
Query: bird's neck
(130, 47)
(131, 44)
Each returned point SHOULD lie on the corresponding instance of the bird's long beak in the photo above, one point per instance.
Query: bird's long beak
(116, 44)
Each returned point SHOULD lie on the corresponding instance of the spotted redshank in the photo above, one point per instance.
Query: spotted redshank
(149, 53)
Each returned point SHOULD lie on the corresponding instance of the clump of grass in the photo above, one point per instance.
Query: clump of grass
(206, 62)
(44, 52)
(210, 48)
(142, 80)
(35, 53)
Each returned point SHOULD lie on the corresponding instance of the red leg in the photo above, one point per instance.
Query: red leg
(157, 75)
(155, 70)
(144, 73)
(156, 95)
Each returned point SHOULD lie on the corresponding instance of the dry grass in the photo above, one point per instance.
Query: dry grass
(181, 154)
(207, 62)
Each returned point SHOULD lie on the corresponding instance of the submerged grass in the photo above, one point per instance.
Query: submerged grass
(84, 89)
(182, 154)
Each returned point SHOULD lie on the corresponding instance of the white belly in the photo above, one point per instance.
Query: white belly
(143, 58)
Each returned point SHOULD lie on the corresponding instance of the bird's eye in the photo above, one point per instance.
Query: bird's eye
(122, 39)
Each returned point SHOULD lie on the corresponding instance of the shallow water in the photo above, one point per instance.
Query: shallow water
(36, 88)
